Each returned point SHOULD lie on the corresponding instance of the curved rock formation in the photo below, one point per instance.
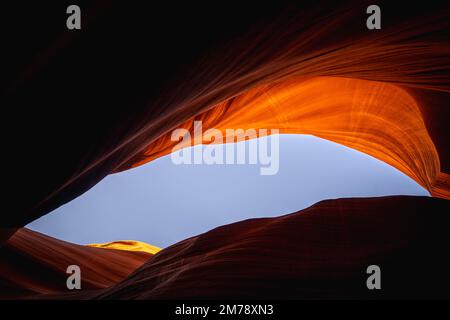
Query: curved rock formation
(320, 252)
(92, 103)
(33, 264)
(121, 121)
(376, 118)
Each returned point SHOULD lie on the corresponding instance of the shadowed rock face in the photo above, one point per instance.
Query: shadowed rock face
(320, 252)
(32, 264)
(85, 108)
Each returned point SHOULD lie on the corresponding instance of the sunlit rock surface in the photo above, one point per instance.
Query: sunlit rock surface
(127, 245)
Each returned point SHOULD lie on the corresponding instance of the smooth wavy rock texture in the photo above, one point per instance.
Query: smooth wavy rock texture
(319, 252)
(310, 68)
(92, 103)
(376, 118)
(32, 264)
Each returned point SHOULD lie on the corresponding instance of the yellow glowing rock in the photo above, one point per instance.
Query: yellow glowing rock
(128, 245)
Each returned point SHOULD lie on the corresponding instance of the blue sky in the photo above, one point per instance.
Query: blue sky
(161, 203)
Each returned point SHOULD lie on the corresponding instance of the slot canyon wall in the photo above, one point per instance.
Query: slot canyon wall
(106, 99)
